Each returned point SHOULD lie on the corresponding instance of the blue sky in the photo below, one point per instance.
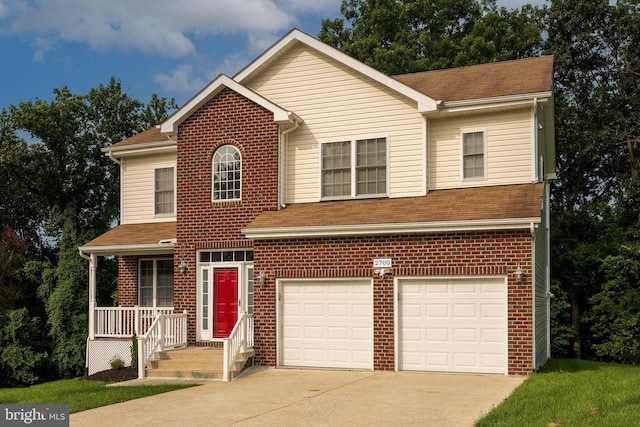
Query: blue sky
(153, 46)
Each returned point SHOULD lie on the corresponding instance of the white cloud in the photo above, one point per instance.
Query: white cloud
(180, 80)
(152, 26)
(42, 46)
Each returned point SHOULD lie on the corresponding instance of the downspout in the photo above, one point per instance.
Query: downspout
(113, 159)
(534, 154)
(282, 164)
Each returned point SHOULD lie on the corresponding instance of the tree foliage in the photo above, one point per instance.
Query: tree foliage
(65, 195)
(402, 36)
(595, 200)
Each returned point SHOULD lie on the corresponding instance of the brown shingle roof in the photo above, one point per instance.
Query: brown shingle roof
(148, 136)
(517, 77)
(135, 234)
(481, 203)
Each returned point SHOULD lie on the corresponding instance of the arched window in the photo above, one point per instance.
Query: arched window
(227, 174)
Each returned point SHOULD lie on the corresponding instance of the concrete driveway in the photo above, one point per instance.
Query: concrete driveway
(295, 397)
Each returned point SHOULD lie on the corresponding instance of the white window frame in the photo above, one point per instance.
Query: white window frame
(354, 168)
(213, 172)
(154, 286)
(484, 155)
(155, 191)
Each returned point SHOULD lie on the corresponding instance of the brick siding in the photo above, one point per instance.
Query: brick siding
(228, 118)
(446, 254)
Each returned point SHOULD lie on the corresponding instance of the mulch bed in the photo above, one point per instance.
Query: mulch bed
(114, 375)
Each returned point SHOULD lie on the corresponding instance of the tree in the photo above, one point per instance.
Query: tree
(406, 36)
(595, 201)
(74, 187)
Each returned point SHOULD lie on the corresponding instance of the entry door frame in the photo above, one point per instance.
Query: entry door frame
(205, 311)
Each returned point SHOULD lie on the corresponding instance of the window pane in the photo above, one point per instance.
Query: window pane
(146, 284)
(164, 285)
(473, 154)
(164, 191)
(250, 291)
(227, 174)
(371, 161)
(336, 169)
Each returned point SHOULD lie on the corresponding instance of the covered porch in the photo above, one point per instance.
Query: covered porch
(146, 307)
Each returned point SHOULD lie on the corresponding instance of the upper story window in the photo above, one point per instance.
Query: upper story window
(227, 174)
(473, 155)
(164, 189)
(355, 168)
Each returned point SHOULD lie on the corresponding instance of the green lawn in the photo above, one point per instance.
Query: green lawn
(81, 395)
(573, 393)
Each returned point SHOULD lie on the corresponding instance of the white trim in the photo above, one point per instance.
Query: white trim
(154, 280)
(507, 101)
(280, 115)
(168, 145)
(424, 102)
(213, 163)
(353, 142)
(174, 168)
(141, 249)
(385, 229)
(485, 154)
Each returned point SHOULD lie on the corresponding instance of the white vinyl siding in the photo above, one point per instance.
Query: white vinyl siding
(541, 284)
(138, 192)
(335, 103)
(508, 149)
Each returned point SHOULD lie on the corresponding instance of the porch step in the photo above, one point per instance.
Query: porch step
(193, 363)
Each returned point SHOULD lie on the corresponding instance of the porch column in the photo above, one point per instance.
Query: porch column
(93, 265)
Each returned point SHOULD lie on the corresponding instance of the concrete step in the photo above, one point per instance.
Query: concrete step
(185, 374)
(194, 363)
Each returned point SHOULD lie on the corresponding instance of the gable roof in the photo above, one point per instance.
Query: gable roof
(516, 77)
(424, 102)
(491, 207)
(280, 115)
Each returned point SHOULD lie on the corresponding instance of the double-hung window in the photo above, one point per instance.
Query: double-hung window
(164, 191)
(156, 283)
(354, 168)
(473, 155)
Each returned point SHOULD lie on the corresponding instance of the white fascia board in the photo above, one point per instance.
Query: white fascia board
(509, 101)
(280, 115)
(145, 249)
(137, 149)
(386, 229)
(424, 103)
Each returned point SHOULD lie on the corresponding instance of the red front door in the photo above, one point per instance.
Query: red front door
(225, 301)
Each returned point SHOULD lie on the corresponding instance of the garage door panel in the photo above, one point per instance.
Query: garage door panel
(460, 325)
(338, 312)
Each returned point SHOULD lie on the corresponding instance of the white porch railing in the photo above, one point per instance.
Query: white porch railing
(123, 322)
(166, 332)
(240, 339)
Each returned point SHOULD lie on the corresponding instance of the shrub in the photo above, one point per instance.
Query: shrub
(117, 363)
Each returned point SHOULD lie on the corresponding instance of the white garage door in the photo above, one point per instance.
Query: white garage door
(457, 325)
(327, 324)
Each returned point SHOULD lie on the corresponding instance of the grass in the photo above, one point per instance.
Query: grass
(81, 395)
(572, 393)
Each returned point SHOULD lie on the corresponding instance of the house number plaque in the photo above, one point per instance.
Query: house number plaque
(382, 263)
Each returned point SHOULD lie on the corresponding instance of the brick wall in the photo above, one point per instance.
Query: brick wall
(228, 118)
(446, 254)
(128, 281)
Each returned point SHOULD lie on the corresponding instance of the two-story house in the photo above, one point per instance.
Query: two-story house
(329, 215)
